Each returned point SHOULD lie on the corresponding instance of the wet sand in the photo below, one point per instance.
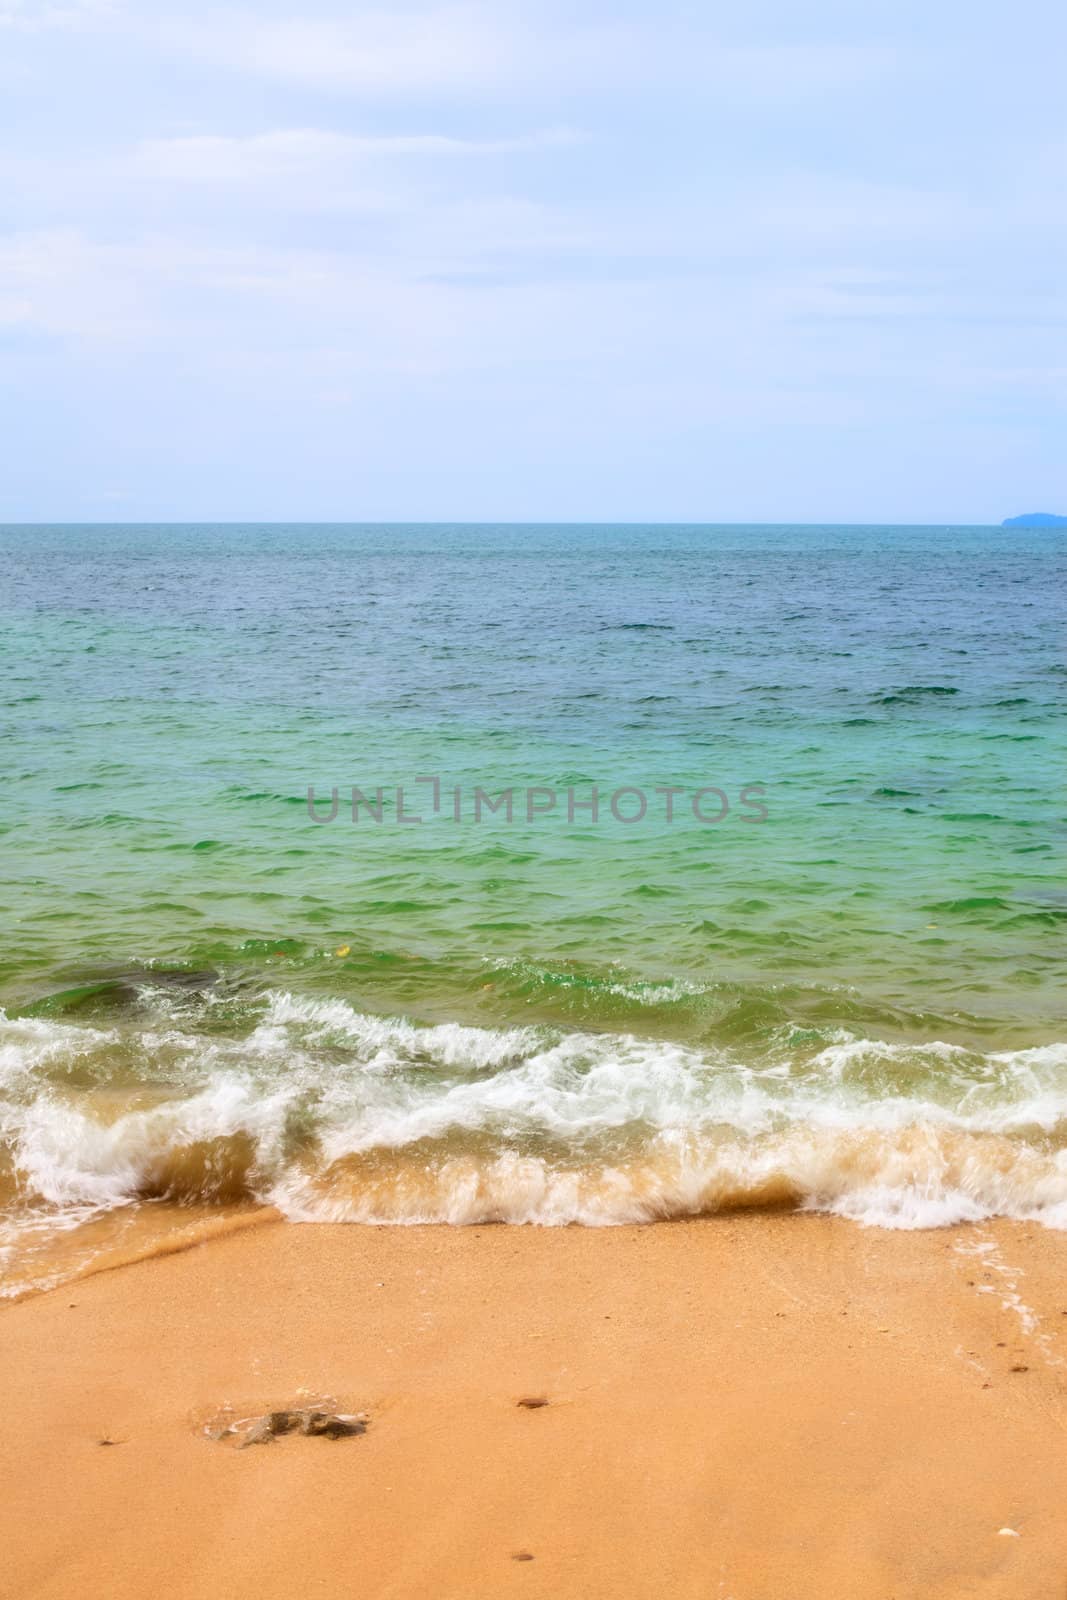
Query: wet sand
(753, 1407)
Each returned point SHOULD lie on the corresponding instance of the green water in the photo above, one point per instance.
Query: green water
(894, 695)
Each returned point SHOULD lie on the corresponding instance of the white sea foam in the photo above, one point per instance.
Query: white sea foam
(331, 1113)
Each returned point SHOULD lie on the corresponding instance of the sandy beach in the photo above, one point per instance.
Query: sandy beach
(533, 1034)
(755, 1407)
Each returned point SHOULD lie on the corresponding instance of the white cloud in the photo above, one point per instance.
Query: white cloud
(374, 51)
(31, 15)
(213, 158)
(497, 48)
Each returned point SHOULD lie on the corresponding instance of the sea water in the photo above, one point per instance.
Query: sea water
(647, 871)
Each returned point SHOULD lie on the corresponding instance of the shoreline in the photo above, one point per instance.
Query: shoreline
(753, 1406)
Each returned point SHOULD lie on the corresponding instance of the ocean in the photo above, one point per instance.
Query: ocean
(804, 951)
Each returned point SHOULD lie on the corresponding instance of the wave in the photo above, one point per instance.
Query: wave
(332, 1114)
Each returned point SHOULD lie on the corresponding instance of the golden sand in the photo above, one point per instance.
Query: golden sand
(754, 1407)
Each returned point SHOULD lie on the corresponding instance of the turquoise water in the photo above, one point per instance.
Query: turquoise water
(852, 1000)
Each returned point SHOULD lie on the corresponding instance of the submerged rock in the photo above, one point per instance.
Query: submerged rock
(275, 1424)
(345, 1426)
(260, 1432)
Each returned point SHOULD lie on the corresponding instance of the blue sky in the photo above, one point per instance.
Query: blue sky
(768, 261)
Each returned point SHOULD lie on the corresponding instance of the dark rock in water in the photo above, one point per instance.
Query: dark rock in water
(260, 1432)
(342, 1426)
(275, 1424)
(333, 1424)
(192, 980)
(83, 997)
(115, 990)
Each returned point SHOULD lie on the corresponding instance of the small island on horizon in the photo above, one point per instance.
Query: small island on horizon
(1035, 519)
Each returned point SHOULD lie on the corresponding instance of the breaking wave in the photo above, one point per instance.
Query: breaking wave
(332, 1114)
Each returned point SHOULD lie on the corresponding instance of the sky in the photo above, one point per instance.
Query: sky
(600, 260)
